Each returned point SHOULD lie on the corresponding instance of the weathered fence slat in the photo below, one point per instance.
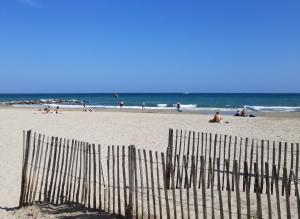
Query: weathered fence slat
(80, 171)
(39, 168)
(165, 185)
(268, 190)
(211, 190)
(258, 191)
(44, 167)
(277, 191)
(202, 177)
(194, 187)
(287, 196)
(28, 201)
(48, 171)
(124, 179)
(158, 184)
(118, 180)
(228, 188)
(147, 183)
(135, 183)
(152, 183)
(24, 169)
(57, 172)
(65, 173)
(219, 188)
(141, 183)
(113, 178)
(180, 193)
(187, 188)
(94, 177)
(99, 176)
(108, 179)
(237, 188)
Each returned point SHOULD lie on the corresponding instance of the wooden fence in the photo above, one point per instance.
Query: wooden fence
(136, 183)
(229, 149)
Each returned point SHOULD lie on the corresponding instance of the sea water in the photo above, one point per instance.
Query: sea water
(188, 101)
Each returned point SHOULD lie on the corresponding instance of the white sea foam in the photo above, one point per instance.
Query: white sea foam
(273, 108)
(188, 107)
(162, 105)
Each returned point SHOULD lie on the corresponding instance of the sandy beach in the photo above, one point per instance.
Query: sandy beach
(146, 130)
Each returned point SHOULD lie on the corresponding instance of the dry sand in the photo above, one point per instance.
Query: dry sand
(143, 129)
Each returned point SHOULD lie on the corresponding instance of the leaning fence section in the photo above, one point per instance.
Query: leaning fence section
(229, 149)
(136, 183)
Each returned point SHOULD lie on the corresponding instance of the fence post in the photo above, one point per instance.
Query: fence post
(158, 185)
(287, 196)
(228, 188)
(247, 185)
(27, 197)
(195, 186)
(147, 183)
(56, 175)
(202, 178)
(169, 158)
(118, 180)
(219, 188)
(124, 179)
(268, 190)
(39, 167)
(180, 189)
(24, 169)
(237, 187)
(165, 185)
(142, 183)
(129, 210)
(187, 188)
(258, 191)
(152, 183)
(275, 177)
(135, 182)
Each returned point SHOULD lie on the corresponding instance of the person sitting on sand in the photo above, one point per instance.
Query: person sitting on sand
(238, 113)
(217, 118)
(47, 109)
(243, 113)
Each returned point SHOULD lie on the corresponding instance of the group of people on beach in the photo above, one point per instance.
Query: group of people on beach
(87, 109)
(218, 118)
(47, 110)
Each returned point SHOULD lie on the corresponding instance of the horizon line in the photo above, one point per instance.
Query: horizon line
(15, 93)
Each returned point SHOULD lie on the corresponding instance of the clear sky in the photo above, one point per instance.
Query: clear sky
(149, 46)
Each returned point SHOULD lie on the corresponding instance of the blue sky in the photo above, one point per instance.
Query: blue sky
(149, 46)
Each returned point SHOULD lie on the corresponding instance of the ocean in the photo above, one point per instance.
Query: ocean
(224, 102)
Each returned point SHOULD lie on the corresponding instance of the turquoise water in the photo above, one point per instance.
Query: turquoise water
(192, 101)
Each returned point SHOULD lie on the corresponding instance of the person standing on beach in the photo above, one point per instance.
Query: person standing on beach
(178, 106)
(121, 104)
(56, 110)
(143, 105)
